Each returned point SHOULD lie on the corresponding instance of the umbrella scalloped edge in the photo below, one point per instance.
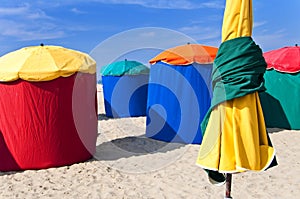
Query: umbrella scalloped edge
(285, 59)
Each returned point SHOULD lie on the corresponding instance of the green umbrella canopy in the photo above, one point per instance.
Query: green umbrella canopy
(124, 68)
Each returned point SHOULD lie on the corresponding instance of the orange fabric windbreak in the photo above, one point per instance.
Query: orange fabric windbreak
(187, 54)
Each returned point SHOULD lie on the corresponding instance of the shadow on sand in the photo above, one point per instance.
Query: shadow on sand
(102, 117)
(132, 146)
(275, 130)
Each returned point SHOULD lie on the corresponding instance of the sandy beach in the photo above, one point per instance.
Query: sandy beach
(129, 165)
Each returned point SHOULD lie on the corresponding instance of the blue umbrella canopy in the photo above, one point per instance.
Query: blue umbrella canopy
(125, 67)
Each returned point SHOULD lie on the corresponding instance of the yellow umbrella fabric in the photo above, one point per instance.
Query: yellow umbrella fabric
(238, 19)
(235, 138)
(44, 63)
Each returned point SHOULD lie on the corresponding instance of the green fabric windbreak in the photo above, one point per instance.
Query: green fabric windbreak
(124, 68)
(280, 101)
(237, 71)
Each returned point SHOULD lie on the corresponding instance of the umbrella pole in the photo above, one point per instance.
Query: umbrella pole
(228, 185)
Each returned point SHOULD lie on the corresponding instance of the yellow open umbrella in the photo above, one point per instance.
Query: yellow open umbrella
(235, 137)
(44, 63)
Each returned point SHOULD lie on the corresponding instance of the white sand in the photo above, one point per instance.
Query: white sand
(128, 165)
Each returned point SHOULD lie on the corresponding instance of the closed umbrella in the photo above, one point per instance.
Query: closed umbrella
(235, 137)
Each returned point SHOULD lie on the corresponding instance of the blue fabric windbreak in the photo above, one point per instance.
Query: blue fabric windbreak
(178, 99)
(125, 96)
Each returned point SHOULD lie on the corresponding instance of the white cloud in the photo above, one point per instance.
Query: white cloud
(23, 32)
(268, 40)
(158, 4)
(12, 11)
(77, 11)
(167, 4)
(258, 24)
(203, 34)
(25, 11)
(38, 14)
(214, 4)
(27, 23)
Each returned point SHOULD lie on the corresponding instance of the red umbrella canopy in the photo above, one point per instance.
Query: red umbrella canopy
(286, 59)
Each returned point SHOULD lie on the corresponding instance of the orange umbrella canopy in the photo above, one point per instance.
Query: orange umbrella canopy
(187, 54)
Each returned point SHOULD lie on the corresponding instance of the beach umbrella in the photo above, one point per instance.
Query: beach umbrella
(282, 80)
(286, 59)
(187, 54)
(235, 137)
(48, 108)
(125, 87)
(43, 63)
(180, 82)
(125, 67)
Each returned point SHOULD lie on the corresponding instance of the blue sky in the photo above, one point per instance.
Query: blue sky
(106, 26)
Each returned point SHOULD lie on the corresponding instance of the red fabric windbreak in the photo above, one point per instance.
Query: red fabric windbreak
(47, 124)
